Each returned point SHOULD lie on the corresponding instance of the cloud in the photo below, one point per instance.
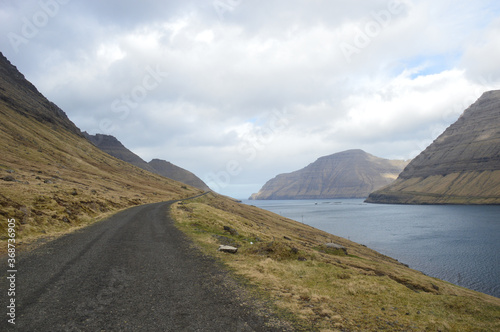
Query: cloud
(480, 54)
(261, 87)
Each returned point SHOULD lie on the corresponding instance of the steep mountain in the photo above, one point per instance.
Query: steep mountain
(462, 166)
(51, 177)
(112, 146)
(169, 170)
(348, 174)
(23, 97)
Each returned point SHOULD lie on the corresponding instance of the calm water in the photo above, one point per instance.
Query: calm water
(459, 244)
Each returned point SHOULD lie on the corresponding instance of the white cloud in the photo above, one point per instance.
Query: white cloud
(225, 75)
(481, 54)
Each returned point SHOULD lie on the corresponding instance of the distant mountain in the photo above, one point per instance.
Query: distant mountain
(348, 174)
(51, 177)
(462, 166)
(172, 171)
(112, 146)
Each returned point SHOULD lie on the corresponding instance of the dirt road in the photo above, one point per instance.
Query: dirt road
(132, 272)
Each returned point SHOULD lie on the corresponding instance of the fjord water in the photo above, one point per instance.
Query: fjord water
(456, 243)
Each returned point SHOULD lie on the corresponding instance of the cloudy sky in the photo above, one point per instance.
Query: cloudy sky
(238, 91)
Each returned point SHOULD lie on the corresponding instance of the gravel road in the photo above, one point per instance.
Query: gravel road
(132, 272)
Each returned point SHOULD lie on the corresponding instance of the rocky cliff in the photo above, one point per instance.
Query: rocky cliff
(348, 174)
(112, 146)
(23, 97)
(462, 166)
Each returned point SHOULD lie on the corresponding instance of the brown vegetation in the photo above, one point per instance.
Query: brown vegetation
(325, 289)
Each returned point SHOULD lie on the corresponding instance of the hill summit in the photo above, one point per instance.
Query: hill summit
(462, 166)
(348, 174)
(114, 147)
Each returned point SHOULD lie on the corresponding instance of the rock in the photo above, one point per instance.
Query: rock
(224, 240)
(287, 238)
(336, 246)
(231, 231)
(48, 181)
(10, 171)
(74, 192)
(228, 249)
(9, 178)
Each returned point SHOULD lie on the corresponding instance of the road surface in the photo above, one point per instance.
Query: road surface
(132, 272)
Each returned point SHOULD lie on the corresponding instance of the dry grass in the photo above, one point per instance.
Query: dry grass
(327, 290)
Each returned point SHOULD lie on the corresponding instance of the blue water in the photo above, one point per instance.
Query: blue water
(459, 244)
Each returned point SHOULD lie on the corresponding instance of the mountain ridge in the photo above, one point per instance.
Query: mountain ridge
(32, 104)
(115, 148)
(461, 166)
(347, 174)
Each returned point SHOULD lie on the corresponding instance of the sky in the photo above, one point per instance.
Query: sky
(239, 91)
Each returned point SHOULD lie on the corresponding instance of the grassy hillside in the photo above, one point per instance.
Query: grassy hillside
(53, 180)
(326, 289)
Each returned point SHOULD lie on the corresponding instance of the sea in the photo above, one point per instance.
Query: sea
(456, 243)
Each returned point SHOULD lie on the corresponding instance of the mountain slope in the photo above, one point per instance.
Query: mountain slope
(112, 146)
(51, 177)
(462, 166)
(348, 174)
(169, 170)
(23, 97)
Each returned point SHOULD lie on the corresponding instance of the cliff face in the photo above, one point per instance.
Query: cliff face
(462, 166)
(348, 174)
(112, 146)
(23, 97)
